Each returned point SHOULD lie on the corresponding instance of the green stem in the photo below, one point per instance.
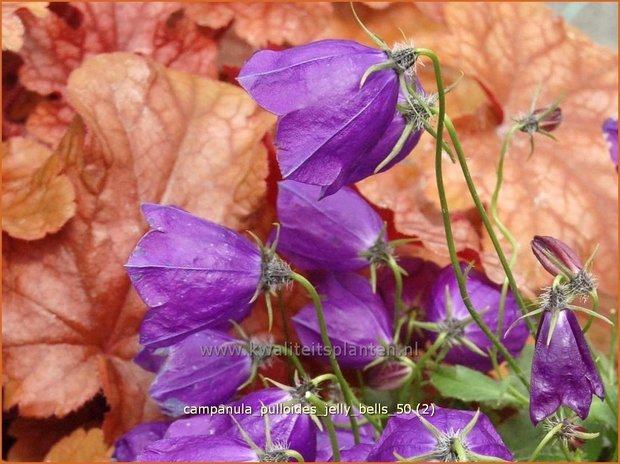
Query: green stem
(398, 294)
(546, 439)
(445, 213)
(292, 357)
(285, 329)
(349, 397)
(329, 425)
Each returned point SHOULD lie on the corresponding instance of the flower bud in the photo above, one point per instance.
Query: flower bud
(555, 256)
(550, 121)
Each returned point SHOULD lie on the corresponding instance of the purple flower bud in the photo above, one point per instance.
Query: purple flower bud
(296, 431)
(446, 308)
(130, 445)
(192, 273)
(447, 435)
(542, 246)
(347, 297)
(329, 234)
(206, 368)
(388, 375)
(563, 372)
(217, 448)
(610, 131)
(549, 121)
(330, 128)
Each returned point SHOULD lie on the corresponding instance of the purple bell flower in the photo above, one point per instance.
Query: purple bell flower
(336, 102)
(469, 345)
(447, 435)
(345, 437)
(202, 424)
(610, 131)
(330, 234)
(563, 372)
(129, 446)
(206, 368)
(290, 427)
(347, 297)
(194, 274)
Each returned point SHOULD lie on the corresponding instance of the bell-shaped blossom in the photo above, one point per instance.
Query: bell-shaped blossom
(336, 102)
(129, 446)
(347, 299)
(205, 368)
(469, 345)
(193, 274)
(292, 427)
(610, 131)
(336, 233)
(447, 435)
(563, 372)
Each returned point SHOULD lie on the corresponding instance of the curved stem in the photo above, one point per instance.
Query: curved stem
(329, 425)
(291, 356)
(445, 214)
(349, 397)
(546, 439)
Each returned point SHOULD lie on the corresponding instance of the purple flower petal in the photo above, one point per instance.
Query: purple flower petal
(347, 297)
(296, 431)
(407, 436)
(357, 453)
(129, 446)
(192, 274)
(610, 130)
(485, 297)
(326, 234)
(345, 437)
(284, 81)
(199, 449)
(206, 368)
(563, 373)
(204, 425)
(318, 143)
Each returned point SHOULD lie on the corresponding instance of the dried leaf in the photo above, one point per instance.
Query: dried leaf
(81, 446)
(12, 27)
(567, 189)
(156, 135)
(261, 24)
(37, 198)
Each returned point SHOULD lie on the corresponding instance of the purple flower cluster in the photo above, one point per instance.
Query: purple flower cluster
(345, 111)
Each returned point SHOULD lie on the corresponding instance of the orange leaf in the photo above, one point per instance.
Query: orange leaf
(37, 198)
(155, 135)
(54, 46)
(12, 27)
(263, 23)
(81, 446)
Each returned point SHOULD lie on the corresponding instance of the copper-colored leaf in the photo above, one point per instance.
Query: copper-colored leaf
(263, 23)
(154, 135)
(37, 198)
(568, 189)
(12, 27)
(81, 446)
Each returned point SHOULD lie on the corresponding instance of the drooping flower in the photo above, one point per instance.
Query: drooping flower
(291, 427)
(347, 299)
(129, 446)
(339, 233)
(337, 106)
(206, 368)
(563, 372)
(194, 274)
(448, 313)
(445, 436)
(610, 131)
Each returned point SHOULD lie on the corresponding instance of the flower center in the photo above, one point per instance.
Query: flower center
(555, 298)
(450, 448)
(403, 56)
(454, 329)
(379, 253)
(275, 273)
